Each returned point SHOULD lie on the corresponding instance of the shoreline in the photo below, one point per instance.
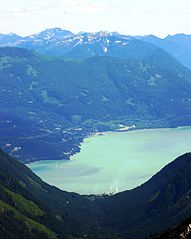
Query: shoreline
(102, 133)
(63, 174)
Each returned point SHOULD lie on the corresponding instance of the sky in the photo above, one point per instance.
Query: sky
(130, 17)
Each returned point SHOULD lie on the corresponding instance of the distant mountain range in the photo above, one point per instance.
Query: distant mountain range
(61, 43)
(30, 208)
(52, 104)
(178, 45)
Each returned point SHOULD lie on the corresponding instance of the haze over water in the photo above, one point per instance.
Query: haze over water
(115, 161)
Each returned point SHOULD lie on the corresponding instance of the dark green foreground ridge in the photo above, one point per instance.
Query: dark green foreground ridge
(30, 208)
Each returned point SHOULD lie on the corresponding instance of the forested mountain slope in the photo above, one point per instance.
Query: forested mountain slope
(52, 104)
(33, 209)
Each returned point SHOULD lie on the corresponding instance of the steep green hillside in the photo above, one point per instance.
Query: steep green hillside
(30, 208)
(181, 231)
(156, 205)
(13, 224)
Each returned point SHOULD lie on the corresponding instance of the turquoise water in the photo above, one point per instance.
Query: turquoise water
(115, 161)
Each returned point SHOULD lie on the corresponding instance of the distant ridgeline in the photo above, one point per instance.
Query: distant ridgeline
(82, 84)
(30, 208)
(61, 43)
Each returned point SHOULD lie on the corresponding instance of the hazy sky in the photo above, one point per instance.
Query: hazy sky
(133, 17)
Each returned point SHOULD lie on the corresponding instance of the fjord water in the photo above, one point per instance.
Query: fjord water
(115, 161)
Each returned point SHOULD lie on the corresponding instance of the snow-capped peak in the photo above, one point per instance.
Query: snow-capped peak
(52, 33)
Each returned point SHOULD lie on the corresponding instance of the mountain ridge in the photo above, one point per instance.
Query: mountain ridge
(63, 43)
(61, 102)
(164, 194)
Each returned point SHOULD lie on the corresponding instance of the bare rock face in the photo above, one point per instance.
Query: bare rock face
(186, 234)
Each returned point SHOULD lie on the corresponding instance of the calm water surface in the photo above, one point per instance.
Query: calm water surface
(115, 161)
